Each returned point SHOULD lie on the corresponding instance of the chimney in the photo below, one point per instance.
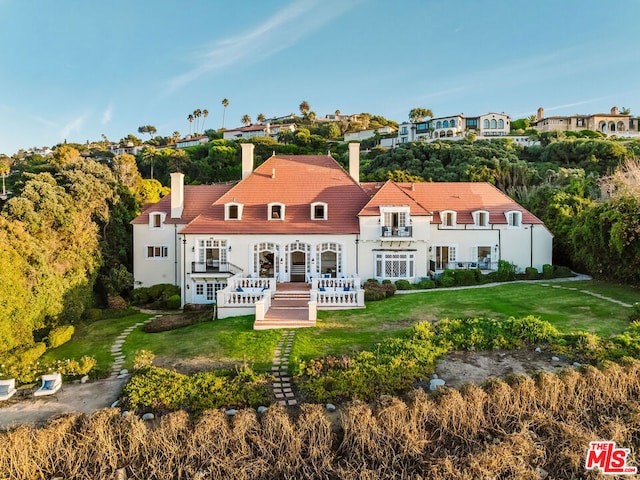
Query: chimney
(354, 161)
(540, 115)
(177, 194)
(615, 111)
(247, 159)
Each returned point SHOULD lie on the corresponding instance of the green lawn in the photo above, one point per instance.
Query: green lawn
(232, 340)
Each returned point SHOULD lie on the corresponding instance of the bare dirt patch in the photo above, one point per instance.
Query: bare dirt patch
(192, 365)
(459, 368)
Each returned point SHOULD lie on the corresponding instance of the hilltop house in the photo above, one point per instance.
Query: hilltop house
(303, 218)
(259, 130)
(612, 123)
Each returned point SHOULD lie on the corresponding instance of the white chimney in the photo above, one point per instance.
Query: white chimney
(247, 159)
(177, 194)
(354, 161)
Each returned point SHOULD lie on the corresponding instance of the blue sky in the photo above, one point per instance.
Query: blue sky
(73, 69)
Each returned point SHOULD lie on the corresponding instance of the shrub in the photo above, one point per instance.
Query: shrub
(531, 273)
(374, 291)
(156, 294)
(464, 277)
(172, 322)
(93, 314)
(506, 272)
(116, 302)
(446, 279)
(563, 272)
(142, 359)
(403, 285)
(635, 313)
(60, 335)
(426, 284)
(173, 302)
(547, 271)
(533, 330)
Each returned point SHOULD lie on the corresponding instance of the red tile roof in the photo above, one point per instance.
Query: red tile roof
(196, 199)
(392, 193)
(299, 181)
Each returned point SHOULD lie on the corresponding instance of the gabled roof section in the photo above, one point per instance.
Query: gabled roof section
(197, 198)
(296, 181)
(392, 194)
(466, 198)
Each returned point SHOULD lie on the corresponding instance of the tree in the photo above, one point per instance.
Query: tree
(5, 168)
(304, 108)
(149, 156)
(418, 114)
(225, 104)
(205, 114)
(150, 129)
(197, 113)
(261, 118)
(246, 120)
(337, 114)
(625, 111)
(190, 118)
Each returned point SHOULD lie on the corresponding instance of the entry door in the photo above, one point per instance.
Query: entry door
(298, 266)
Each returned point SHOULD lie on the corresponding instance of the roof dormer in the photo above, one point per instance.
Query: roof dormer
(233, 211)
(514, 218)
(448, 218)
(275, 211)
(481, 219)
(156, 219)
(319, 211)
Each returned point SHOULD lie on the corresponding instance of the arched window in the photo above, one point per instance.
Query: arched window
(494, 124)
(445, 124)
(514, 219)
(486, 123)
(500, 123)
(438, 124)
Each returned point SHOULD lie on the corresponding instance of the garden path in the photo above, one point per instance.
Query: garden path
(282, 385)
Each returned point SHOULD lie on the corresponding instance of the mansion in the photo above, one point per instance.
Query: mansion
(305, 219)
(612, 123)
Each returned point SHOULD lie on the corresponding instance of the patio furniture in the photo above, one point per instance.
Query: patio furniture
(51, 384)
(7, 389)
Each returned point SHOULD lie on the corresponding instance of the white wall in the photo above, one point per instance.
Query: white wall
(152, 271)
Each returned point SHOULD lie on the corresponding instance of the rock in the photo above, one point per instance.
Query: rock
(435, 375)
(330, 407)
(84, 379)
(577, 365)
(124, 371)
(542, 473)
(555, 359)
(231, 412)
(148, 416)
(262, 409)
(121, 474)
(115, 404)
(538, 349)
(126, 413)
(435, 383)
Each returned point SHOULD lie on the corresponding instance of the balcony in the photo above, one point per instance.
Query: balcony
(212, 266)
(394, 233)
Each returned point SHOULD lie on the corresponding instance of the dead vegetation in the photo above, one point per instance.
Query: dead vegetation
(517, 428)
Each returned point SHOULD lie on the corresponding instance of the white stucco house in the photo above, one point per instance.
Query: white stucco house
(305, 219)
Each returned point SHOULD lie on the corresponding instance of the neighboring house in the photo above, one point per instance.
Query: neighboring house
(129, 148)
(259, 130)
(612, 123)
(453, 127)
(190, 141)
(299, 218)
(370, 133)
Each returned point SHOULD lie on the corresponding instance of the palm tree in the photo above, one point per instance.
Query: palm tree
(149, 155)
(225, 104)
(190, 118)
(205, 114)
(261, 118)
(304, 108)
(338, 114)
(197, 113)
(246, 120)
(5, 168)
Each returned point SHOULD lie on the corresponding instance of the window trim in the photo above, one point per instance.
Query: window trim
(152, 220)
(325, 211)
(517, 214)
(384, 256)
(270, 211)
(454, 218)
(476, 219)
(227, 208)
(164, 252)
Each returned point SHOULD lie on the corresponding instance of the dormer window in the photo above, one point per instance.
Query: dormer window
(276, 211)
(156, 220)
(514, 219)
(448, 218)
(318, 211)
(233, 211)
(481, 219)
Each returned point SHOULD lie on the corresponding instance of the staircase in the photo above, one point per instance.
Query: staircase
(289, 308)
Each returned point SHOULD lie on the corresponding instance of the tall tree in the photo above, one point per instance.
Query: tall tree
(190, 118)
(418, 114)
(150, 129)
(149, 156)
(197, 113)
(205, 114)
(246, 120)
(5, 168)
(261, 118)
(225, 104)
(304, 108)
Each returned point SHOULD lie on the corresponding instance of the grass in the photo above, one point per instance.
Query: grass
(230, 341)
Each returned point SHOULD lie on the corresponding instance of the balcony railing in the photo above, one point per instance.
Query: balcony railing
(214, 266)
(396, 232)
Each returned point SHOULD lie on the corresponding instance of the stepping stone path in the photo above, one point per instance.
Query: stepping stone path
(280, 370)
(593, 294)
(116, 350)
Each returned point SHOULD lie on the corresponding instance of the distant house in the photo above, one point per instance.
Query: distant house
(370, 133)
(129, 148)
(190, 141)
(304, 219)
(612, 123)
(259, 130)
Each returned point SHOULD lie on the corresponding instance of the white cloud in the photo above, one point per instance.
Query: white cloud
(279, 32)
(107, 114)
(73, 126)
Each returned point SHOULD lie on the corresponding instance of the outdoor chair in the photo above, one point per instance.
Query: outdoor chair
(51, 383)
(7, 389)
